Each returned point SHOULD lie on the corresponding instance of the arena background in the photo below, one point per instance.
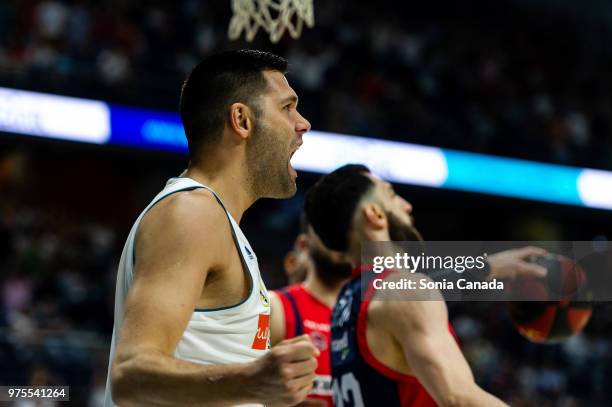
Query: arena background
(523, 79)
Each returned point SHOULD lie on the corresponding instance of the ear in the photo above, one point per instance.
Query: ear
(241, 119)
(289, 263)
(374, 216)
(301, 241)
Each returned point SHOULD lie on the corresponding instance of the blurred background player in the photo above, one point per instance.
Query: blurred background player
(296, 262)
(192, 312)
(391, 352)
(306, 307)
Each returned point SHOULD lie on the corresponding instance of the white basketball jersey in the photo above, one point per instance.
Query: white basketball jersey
(235, 334)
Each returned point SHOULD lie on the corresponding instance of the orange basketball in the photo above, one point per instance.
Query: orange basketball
(561, 309)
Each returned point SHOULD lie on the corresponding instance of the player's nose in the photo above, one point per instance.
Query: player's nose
(302, 125)
(407, 206)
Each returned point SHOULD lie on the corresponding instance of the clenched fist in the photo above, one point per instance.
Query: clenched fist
(285, 375)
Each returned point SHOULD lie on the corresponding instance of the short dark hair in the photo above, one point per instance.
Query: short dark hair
(331, 203)
(217, 82)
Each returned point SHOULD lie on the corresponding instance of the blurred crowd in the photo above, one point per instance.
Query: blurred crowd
(56, 301)
(575, 372)
(497, 79)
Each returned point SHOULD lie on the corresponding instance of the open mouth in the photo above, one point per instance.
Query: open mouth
(292, 170)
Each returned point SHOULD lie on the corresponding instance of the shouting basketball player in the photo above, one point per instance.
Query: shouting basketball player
(392, 353)
(191, 310)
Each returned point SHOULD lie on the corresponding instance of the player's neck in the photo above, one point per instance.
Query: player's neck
(325, 291)
(354, 252)
(227, 184)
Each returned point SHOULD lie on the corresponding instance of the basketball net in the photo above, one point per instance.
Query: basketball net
(273, 16)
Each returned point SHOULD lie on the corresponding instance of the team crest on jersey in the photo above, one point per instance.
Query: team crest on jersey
(342, 313)
(263, 297)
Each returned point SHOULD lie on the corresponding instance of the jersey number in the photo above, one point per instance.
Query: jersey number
(344, 386)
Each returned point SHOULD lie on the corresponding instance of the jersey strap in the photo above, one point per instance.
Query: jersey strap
(297, 317)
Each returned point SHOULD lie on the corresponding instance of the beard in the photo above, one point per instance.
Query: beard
(328, 269)
(268, 164)
(400, 231)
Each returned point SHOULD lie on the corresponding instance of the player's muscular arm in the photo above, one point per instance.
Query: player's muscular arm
(421, 327)
(277, 319)
(179, 242)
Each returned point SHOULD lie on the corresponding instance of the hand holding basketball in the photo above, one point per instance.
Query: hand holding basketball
(516, 262)
(552, 309)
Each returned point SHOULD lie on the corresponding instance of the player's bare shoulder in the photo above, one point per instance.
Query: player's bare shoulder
(186, 221)
(392, 300)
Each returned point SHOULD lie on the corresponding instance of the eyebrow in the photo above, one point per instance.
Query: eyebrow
(292, 98)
